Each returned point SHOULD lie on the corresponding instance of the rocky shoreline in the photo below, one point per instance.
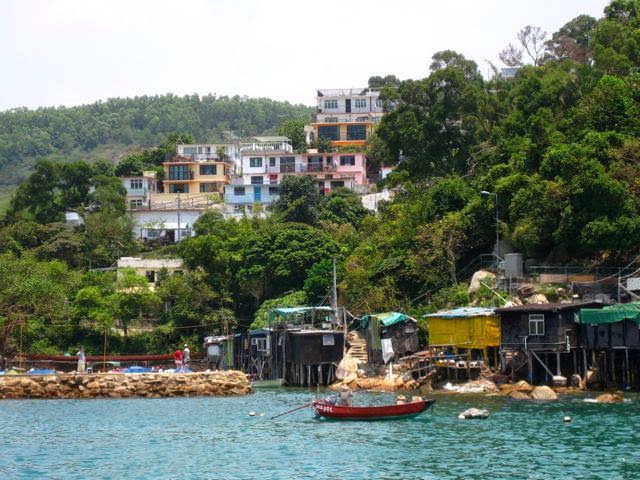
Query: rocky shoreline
(118, 385)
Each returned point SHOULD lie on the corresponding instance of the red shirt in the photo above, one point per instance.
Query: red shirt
(177, 355)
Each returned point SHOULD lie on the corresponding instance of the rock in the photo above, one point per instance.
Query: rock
(535, 299)
(352, 377)
(526, 291)
(347, 366)
(472, 413)
(480, 276)
(609, 398)
(576, 381)
(543, 393)
(518, 395)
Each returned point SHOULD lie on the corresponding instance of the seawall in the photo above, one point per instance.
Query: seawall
(119, 385)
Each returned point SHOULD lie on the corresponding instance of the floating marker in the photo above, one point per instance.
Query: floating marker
(252, 414)
(566, 419)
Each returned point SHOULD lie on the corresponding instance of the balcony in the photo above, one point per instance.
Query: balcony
(199, 157)
(266, 147)
(351, 119)
(301, 168)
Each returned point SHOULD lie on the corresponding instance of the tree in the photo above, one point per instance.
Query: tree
(298, 200)
(573, 40)
(378, 81)
(295, 299)
(293, 128)
(532, 41)
(30, 290)
(343, 206)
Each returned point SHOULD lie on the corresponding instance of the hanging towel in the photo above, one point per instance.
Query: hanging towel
(387, 350)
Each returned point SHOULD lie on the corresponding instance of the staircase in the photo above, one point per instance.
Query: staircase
(358, 347)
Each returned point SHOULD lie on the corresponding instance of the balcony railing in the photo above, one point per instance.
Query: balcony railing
(200, 157)
(301, 168)
(359, 119)
(266, 146)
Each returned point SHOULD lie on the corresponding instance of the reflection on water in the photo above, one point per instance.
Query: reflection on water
(216, 438)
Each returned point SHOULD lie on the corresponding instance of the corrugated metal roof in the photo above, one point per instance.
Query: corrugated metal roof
(463, 312)
(548, 307)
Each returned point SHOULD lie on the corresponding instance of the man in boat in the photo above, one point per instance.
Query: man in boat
(344, 397)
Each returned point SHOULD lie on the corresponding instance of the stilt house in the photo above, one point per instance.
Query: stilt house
(543, 337)
(473, 332)
(389, 336)
(610, 341)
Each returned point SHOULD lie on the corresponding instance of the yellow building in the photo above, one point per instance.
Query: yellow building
(475, 331)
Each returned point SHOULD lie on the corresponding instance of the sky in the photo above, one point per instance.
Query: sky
(72, 52)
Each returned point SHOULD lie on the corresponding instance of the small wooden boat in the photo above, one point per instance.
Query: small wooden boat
(385, 412)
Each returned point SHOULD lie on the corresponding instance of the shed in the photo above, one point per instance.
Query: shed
(219, 352)
(389, 336)
(474, 329)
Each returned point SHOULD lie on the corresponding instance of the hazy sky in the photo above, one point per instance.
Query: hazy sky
(69, 52)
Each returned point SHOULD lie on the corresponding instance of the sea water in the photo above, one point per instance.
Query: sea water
(216, 438)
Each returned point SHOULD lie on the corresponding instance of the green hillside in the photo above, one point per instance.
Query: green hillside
(111, 129)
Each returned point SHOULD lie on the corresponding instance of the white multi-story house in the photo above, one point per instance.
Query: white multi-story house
(268, 160)
(346, 116)
(140, 189)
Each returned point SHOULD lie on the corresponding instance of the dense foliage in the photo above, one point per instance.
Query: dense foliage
(81, 132)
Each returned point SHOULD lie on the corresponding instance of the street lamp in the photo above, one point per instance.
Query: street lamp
(484, 192)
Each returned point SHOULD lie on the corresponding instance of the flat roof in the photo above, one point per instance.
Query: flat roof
(548, 307)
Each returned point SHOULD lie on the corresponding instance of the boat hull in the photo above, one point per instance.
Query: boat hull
(385, 412)
(277, 383)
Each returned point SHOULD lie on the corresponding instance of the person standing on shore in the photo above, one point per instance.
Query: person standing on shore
(186, 358)
(177, 358)
(81, 360)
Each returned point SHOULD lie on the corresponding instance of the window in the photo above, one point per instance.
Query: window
(328, 340)
(356, 132)
(189, 150)
(361, 103)
(256, 180)
(273, 178)
(330, 132)
(260, 344)
(347, 160)
(337, 184)
(151, 276)
(287, 164)
(135, 184)
(329, 160)
(208, 170)
(379, 103)
(178, 172)
(255, 162)
(536, 324)
(331, 104)
(273, 191)
(135, 204)
(208, 187)
(272, 161)
(178, 188)
(238, 191)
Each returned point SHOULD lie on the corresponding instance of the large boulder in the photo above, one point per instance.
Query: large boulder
(346, 367)
(535, 299)
(480, 276)
(544, 393)
(517, 395)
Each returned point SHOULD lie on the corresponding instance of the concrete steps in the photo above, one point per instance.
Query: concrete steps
(358, 347)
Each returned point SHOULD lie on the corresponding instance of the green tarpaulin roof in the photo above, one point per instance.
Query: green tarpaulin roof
(611, 314)
(389, 318)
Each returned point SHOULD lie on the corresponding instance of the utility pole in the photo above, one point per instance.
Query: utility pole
(178, 236)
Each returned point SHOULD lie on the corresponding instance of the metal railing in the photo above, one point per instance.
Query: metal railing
(266, 146)
(301, 168)
(200, 157)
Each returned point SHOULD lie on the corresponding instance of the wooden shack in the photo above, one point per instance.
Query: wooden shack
(473, 332)
(543, 337)
(389, 336)
(308, 344)
(219, 352)
(610, 341)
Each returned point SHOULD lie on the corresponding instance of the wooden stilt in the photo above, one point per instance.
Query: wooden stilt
(530, 366)
(627, 375)
(558, 370)
(584, 365)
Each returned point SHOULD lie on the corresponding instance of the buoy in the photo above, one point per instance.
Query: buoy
(262, 414)
(567, 419)
(252, 414)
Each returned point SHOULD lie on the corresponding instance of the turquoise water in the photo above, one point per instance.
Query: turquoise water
(195, 438)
